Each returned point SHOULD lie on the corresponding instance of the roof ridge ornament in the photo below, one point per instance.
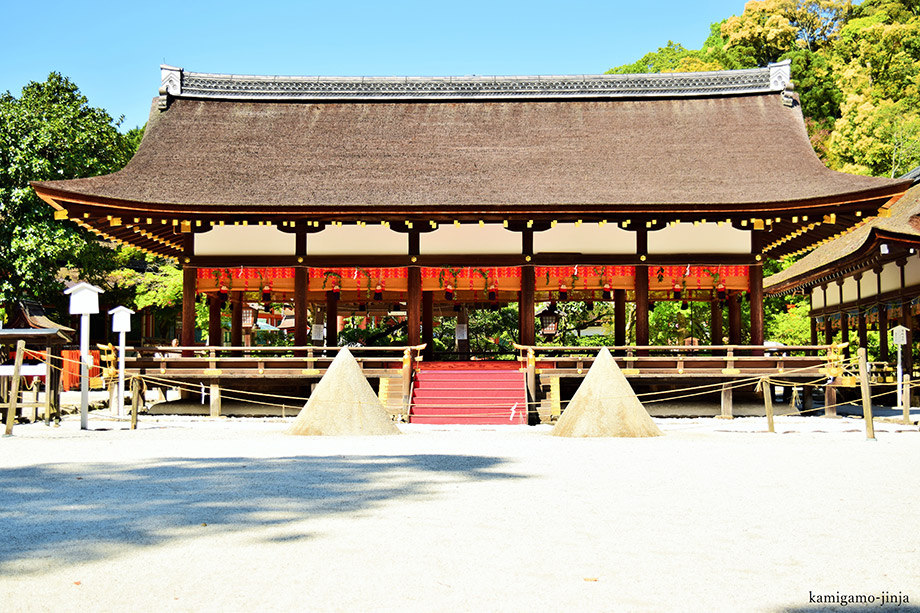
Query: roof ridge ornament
(170, 85)
(185, 84)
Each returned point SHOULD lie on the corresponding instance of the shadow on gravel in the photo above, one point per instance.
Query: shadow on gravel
(61, 513)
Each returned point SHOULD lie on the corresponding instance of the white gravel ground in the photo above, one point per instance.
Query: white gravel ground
(233, 515)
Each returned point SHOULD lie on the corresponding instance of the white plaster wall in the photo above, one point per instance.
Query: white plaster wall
(817, 298)
(833, 295)
(585, 238)
(891, 277)
(912, 271)
(450, 239)
(868, 285)
(357, 240)
(849, 290)
(702, 238)
(245, 240)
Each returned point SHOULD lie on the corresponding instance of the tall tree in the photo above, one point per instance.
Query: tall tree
(50, 132)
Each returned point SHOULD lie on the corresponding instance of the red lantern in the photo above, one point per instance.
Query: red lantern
(720, 291)
(378, 292)
(606, 293)
(492, 293)
(563, 292)
(449, 292)
(266, 293)
(677, 290)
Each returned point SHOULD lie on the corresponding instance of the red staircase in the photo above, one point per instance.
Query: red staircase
(469, 393)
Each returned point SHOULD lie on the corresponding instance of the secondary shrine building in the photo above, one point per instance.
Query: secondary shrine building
(356, 192)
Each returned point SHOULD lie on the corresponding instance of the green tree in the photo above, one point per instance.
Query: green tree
(50, 132)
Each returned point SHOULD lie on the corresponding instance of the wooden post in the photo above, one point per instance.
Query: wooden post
(407, 380)
(727, 409)
(808, 399)
(715, 321)
(532, 376)
(300, 307)
(883, 354)
(214, 397)
(463, 345)
(215, 332)
(428, 325)
(642, 306)
(734, 320)
(756, 287)
(236, 320)
(830, 400)
(189, 281)
(49, 385)
(905, 400)
(135, 400)
(14, 388)
(414, 305)
(619, 317)
(332, 319)
(767, 388)
(866, 396)
(527, 306)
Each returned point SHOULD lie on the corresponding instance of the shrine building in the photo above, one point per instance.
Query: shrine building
(355, 192)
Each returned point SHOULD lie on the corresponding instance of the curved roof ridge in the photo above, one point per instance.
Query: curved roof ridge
(179, 83)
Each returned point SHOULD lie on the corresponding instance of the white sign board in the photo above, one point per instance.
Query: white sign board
(899, 335)
(461, 332)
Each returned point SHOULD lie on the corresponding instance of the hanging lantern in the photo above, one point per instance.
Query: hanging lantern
(378, 292)
(449, 292)
(336, 290)
(493, 295)
(606, 293)
(677, 289)
(266, 293)
(720, 291)
(563, 292)
(223, 294)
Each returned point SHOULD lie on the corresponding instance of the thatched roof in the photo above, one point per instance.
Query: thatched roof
(856, 249)
(706, 141)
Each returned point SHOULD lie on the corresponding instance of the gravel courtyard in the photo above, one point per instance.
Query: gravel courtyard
(189, 514)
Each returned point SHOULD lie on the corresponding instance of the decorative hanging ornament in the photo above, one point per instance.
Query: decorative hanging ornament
(606, 293)
(493, 295)
(449, 292)
(563, 292)
(677, 290)
(720, 291)
(266, 293)
(378, 292)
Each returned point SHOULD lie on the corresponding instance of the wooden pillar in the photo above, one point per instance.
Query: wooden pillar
(236, 319)
(215, 333)
(715, 321)
(642, 305)
(189, 279)
(813, 324)
(527, 306)
(883, 332)
(756, 287)
(428, 324)
(727, 400)
(844, 320)
(828, 330)
(734, 320)
(319, 320)
(300, 306)
(414, 305)
(332, 319)
(619, 317)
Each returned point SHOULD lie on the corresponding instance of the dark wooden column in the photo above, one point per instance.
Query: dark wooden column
(883, 354)
(527, 306)
(813, 324)
(715, 321)
(215, 333)
(734, 319)
(189, 279)
(300, 307)
(641, 305)
(844, 320)
(619, 317)
(414, 305)
(332, 319)
(756, 281)
(236, 319)
(862, 331)
(428, 324)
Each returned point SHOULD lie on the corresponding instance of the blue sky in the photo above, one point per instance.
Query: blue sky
(113, 50)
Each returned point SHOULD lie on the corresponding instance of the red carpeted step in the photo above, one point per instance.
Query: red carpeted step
(452, 394)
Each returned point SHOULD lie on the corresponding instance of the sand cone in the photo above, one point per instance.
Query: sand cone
(605, 405)
(343, 404)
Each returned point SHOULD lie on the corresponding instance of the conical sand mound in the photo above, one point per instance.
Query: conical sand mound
(605, 405)
(343, 404)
